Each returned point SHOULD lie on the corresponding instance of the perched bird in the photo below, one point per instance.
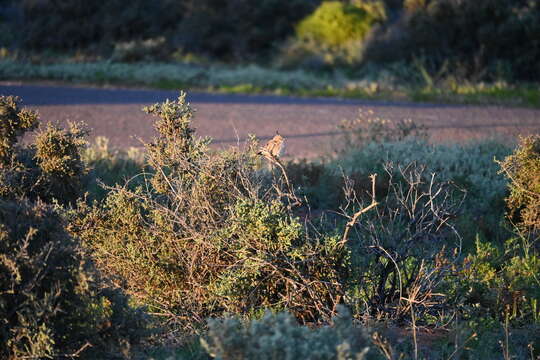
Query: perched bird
(274, 148)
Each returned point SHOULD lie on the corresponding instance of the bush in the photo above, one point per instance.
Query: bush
(77, 25)
(334, 32)
(469, 166)
(403, 249)
(500, 283)
(14, 122)
(51, 303)
(49, 169)
(523, 170)
(278, 336)
(204, 235)
(232, 30)
(476, 39)
(239, 30)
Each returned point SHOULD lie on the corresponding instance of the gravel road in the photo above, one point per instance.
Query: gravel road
(308, 125)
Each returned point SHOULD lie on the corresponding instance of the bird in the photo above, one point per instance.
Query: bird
(273, 148)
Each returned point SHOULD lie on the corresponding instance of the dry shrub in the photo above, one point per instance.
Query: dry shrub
(368, 128)
(404, 248)
(209, 232)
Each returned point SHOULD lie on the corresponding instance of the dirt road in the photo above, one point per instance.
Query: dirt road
(309, 125)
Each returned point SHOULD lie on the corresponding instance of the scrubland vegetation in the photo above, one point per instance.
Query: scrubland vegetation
(483, 51)
(390, 248)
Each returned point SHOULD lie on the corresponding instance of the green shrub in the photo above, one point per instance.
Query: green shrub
(76, 25)
(205, 235)
(51, 168)
(231, 30)
(51, 303)
(278, 336)
(14, 122)
(335, 32)
(523, 170)
(500, 283)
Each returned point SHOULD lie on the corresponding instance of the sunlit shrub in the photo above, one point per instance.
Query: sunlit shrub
(523, 171)
(334, 33)
(14, 122)
(52, 301)
(51, 168)
(204, 234)
(279, 336)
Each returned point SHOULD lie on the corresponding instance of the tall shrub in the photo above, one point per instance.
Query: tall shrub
(52, 302)
(207, 234)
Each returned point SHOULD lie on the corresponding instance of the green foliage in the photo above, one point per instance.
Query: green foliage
(50, 301)
(49, 169)
(236, 29)
(78, 24)
(335, 32)
(523, 170)
(14, 122)
(204, 235)
(279, 336)
(470, 166)
(501, 283)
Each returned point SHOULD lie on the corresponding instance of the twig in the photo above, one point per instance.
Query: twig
(355, 217)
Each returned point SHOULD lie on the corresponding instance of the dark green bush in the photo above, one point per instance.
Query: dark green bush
(76, 25)
(474, 39)
(238, 29)
(241, 30)
(51, 303)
